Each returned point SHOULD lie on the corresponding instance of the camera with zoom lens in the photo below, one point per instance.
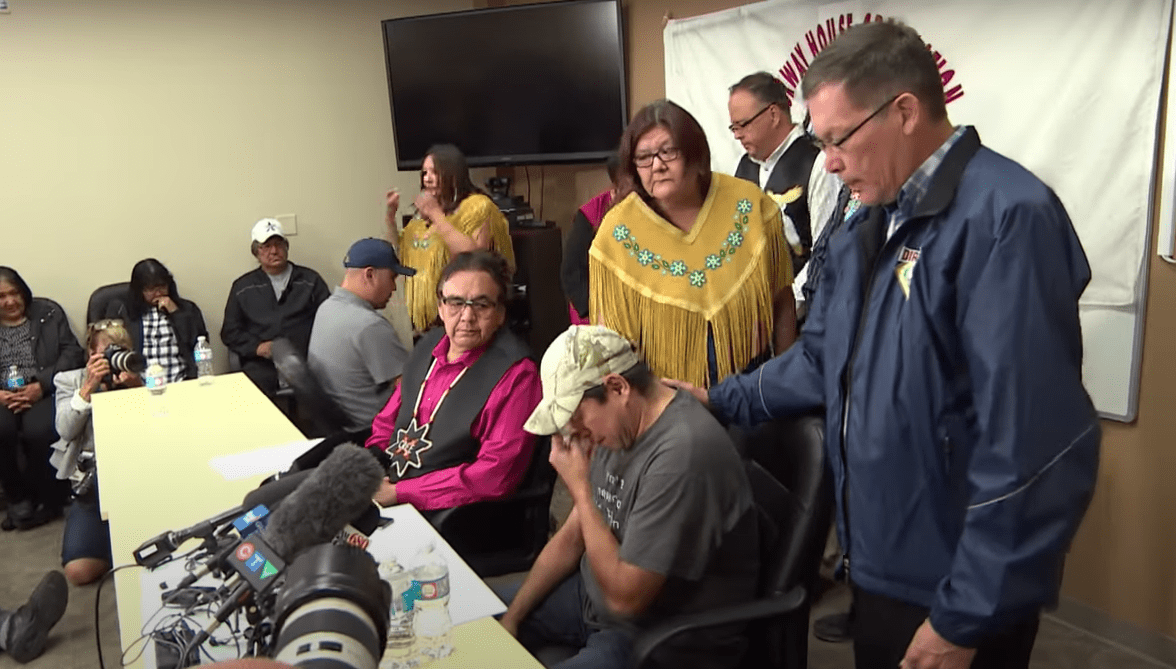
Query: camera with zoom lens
(82, 480)
(332, 610)
(122, 360)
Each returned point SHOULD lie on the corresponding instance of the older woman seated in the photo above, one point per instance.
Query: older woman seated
(453, 429)
(35, 343)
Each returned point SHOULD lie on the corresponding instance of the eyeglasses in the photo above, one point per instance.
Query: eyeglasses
(480, 305)
(739, 125)
(272, 244)
(668, 154)
(824, 146)
(105, 324)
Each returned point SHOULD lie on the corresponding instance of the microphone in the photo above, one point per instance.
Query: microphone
(331, 495)
(154, 551)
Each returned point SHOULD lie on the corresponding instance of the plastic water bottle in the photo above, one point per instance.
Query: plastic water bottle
(156, 382)
(400, 650)
(203, 355)
(14, 380)
(431, 620)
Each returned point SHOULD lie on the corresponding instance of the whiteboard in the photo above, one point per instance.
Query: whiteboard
(1112, 343)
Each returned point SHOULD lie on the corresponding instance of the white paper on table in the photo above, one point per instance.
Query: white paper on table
(261, 461)
(469, 597)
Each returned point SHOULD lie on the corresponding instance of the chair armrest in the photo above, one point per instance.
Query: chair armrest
(772, 607)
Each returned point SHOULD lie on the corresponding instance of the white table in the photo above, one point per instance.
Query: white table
(154, 476)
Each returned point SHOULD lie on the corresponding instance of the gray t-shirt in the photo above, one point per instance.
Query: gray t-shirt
(355, 354)
(679, 503)
(280, 281)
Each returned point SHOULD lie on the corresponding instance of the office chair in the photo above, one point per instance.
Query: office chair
(306, 394)
(793, 492)
(103, 298)
(504, 536)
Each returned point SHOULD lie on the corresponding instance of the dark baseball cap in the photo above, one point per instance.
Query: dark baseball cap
(372, 252)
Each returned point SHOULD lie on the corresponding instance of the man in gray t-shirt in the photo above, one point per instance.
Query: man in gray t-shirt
(355, 352)
(663, 522)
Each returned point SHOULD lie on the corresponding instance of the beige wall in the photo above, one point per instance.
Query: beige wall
(135, 129)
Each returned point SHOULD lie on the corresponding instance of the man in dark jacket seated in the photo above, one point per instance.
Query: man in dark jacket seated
(453, 429)
(278, 299)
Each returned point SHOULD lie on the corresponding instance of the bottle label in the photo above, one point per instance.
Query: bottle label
(15, 384)
(434, 589)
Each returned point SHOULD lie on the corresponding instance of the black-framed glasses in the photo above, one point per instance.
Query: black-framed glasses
(480, 305)
(824, 146)
(668, 154)
(739, 125)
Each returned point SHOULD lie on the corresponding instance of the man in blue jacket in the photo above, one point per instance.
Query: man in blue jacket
(945, 346)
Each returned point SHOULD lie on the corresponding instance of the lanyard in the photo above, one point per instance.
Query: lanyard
(421, 392)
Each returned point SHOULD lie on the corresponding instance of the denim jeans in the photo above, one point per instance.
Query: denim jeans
(559, 621)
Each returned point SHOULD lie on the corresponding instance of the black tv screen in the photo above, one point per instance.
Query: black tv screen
(528, 84)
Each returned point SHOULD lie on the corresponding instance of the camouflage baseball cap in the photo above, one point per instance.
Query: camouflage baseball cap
(577, 360)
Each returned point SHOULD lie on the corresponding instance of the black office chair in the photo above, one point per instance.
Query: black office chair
(322, 414)
(793, 493)
(101, 300)
(504, 536)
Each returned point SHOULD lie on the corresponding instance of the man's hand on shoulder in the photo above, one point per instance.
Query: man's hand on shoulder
(928, 650)
(698, 393)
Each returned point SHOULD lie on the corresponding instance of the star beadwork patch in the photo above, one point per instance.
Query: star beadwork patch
(410, 443)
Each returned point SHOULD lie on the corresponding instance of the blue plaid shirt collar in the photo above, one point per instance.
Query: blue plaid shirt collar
(916, 185)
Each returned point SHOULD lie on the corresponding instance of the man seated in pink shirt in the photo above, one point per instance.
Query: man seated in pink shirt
(453, 428)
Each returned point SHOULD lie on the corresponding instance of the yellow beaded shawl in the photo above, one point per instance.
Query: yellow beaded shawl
(662, 287)
(423, 250)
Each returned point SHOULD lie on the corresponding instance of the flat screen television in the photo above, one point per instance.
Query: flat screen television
(528, 84)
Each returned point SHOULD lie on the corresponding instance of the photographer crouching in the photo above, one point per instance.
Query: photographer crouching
(85, 548)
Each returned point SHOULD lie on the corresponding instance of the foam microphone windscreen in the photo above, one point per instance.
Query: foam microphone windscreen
(271, 494)
(332, 494)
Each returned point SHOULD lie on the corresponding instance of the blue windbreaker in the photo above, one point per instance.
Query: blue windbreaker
(948, 359)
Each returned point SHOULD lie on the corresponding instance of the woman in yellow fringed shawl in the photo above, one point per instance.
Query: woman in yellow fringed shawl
(452, 216)
(691, 265)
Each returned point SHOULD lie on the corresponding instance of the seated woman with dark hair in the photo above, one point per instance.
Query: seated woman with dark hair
(85, 547)
(35, 339)
(453, 428)
(162, 325)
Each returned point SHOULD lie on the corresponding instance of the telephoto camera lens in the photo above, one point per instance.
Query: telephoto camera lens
(332, 610)
(122, 360)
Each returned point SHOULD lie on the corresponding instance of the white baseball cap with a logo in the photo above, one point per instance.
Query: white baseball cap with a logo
(266, 228)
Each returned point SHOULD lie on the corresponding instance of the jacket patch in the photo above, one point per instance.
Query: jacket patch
(907, 258)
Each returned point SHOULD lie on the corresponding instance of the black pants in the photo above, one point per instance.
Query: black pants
(883, 629)
(30, 433)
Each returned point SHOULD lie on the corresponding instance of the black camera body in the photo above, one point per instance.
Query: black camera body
(82, 480)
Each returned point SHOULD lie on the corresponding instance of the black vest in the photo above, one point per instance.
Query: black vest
(450, 430)
(793, 169)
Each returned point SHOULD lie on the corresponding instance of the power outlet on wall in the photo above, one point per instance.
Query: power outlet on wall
(289, 223)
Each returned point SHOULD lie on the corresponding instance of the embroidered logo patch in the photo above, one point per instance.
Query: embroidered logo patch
(907, 258)
(410, 443)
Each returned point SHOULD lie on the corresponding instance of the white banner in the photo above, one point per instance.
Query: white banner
(1068, 88)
